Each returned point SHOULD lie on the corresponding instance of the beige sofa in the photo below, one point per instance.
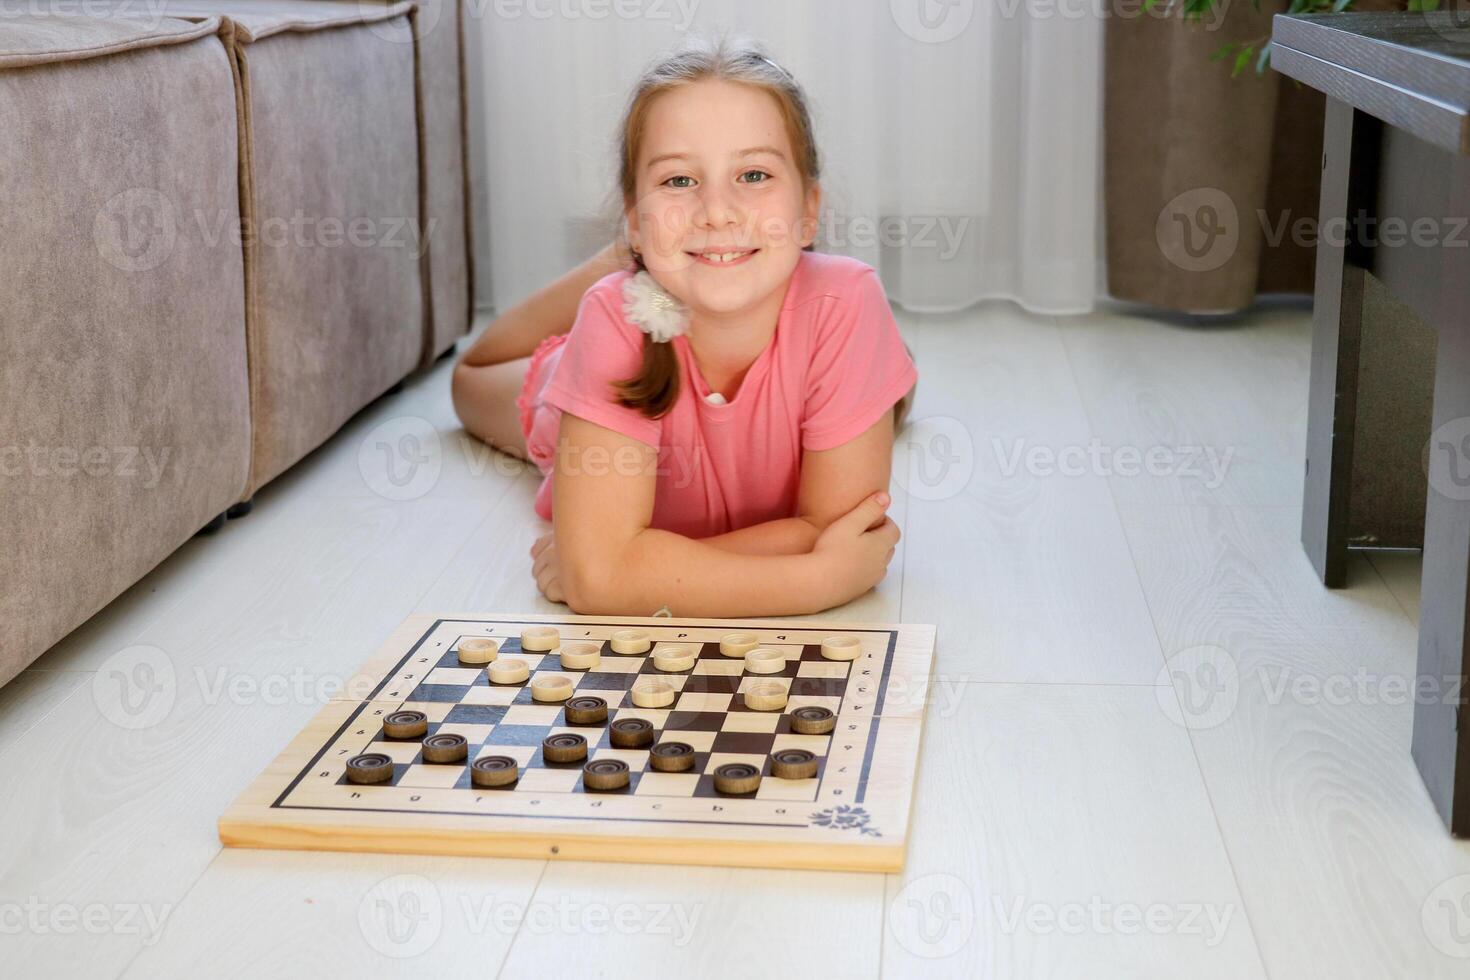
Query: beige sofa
(214, 223)
(124, 386)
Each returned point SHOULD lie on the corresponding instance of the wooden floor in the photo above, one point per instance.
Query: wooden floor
(1157, 748)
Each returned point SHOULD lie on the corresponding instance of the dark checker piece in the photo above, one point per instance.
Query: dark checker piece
(371, 767)
(605, 774)
(442, 747)
(672, 756)
(812, 720)
(737, 778)
(631, 733)
(586, 710)
(564, 747)
(489, 771)
(406, 724)
(793, 764)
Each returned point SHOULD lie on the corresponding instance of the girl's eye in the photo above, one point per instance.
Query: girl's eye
(671, 180)
(756, 173)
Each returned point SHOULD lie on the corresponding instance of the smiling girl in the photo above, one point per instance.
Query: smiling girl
(716, 429)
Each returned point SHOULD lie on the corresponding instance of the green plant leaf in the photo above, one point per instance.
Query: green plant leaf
(1223, 50)
(1264, 59)
(1241, 60)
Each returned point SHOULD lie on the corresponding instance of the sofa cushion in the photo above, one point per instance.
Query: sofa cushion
(334, 258)
(124, 397)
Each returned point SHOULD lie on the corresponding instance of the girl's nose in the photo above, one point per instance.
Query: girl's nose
(718, 206)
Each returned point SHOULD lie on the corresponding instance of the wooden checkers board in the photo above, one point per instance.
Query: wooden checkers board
(852, 815)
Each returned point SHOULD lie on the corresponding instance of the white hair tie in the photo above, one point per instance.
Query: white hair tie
(655, 312)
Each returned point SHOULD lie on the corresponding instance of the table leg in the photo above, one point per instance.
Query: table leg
(1441, 743)
(1349, 185)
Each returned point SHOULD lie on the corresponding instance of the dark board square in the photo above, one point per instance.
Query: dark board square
(539, 761)
(693, 721)
(712, 684)
(705, 789)
(746, 743)
(383, 736)
(628, 790)
(601, 738)
(439, 693)
(399, 768)
(476, 714)
(815, 687)
(649, 668)
(464, 783)
(518, 734)
(766, 768)
(523, 696)
(599, 681)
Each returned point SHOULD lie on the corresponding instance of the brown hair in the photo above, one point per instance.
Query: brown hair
(656, 387)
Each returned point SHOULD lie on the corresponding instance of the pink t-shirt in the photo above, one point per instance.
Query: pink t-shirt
(835, 364)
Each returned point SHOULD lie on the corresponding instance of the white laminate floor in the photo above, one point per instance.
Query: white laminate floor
(1157, 748)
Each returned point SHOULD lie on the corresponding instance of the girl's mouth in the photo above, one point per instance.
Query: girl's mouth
(723, 259)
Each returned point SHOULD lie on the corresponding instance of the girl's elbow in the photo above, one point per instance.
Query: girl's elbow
(577, 595)
(600, 596)
(588, 593)
(580, 602)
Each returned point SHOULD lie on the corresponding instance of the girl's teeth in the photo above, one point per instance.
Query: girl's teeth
(723, 256)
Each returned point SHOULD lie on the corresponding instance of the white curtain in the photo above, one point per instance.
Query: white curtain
(959, 137)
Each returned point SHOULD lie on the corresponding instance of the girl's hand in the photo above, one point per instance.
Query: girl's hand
(853, 552)
(546, 568)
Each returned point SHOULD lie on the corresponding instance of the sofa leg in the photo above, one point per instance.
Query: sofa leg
(213, 526)
(241, 509)
(453, 348)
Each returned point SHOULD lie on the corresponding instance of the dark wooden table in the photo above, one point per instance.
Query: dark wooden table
(1397, 145)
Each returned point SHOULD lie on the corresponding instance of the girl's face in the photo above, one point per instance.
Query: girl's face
(721, 216)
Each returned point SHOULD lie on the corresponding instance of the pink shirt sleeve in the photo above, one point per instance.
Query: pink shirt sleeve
(602, 348)
(859, 367)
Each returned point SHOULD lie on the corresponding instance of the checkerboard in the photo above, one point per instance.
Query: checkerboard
(852, 813)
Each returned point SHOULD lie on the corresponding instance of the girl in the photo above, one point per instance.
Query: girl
(716, 428)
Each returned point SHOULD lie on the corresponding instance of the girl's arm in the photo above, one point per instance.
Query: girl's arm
(550, 310)
(833, 481)
(788, 536)
(613, 563)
